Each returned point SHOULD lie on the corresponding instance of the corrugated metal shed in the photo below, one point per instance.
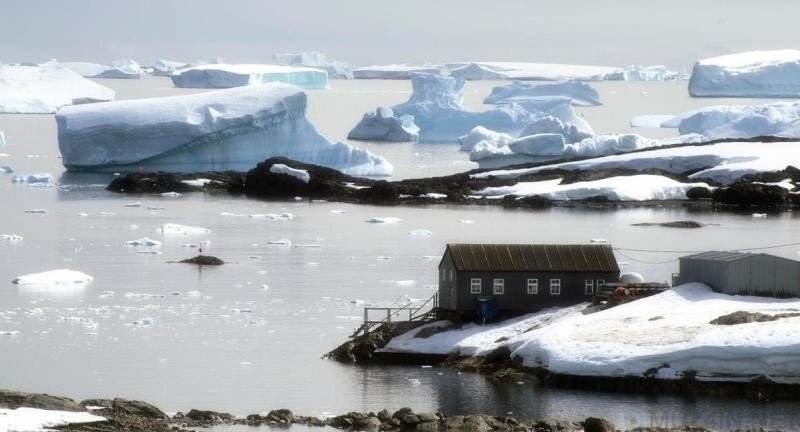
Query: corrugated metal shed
(533, 258)
(739, 273)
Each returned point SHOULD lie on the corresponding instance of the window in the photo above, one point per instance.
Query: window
(600, 283)
(588, 287)
(533, 286)
(499, 287)
(441, 275)
(451, 275)
(475, 286)
(555, 286)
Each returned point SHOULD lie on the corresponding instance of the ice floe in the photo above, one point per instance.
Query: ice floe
(144, 241)
(54, 278)
(177, 229)
(748, 74)
(237, 75)
(383, 220)
(43, 90)
(230, 129)
(382, 125)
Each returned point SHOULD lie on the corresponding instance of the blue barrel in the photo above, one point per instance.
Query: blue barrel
(487, 309)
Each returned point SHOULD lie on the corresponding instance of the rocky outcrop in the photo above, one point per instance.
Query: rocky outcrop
(203, 260)
(672, 224)
(744, 317)
(14, 399)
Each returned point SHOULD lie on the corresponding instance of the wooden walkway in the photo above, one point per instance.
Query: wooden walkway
(375, 317)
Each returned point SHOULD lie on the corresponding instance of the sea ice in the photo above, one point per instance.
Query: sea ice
(237, 75)
(382, 125)
(393, 71)
(220, 130)
(580, 93)
(54, 278)
(173, 229)
(43, 90)
(299, 174)
(748, 74)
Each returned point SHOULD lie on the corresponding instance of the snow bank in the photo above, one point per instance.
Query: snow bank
(54, 277)
(299, 174)
(580, 93)
(43, 90)
(230, 129)
(438, 110)
(125, 68)
(748, 74)
(382, 125)
(548, 71)
(393, 71)
(315, 59)
(722, 162)
(621, 188)
(237, 75)
(474, 72)
(33, 419)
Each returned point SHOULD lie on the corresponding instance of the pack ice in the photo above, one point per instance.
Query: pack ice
(231, 129)
(315, 59)
(394, 71)
(382, 125)
(125, 68)
(748, 74)
(237, 75)
(43, 90)
(436, 106)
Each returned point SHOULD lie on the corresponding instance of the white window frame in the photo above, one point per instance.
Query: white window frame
(533, 286)
(475, 286)
(555, 286)
(588, 286)
(499, 286)
(451, 275)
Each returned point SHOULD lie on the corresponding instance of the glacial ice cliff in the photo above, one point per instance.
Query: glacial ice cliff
(230, 129)
(748, 74)
(382, 125)
(237, 75)
(43, 90)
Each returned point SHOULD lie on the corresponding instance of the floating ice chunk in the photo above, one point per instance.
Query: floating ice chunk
(434, 195)
(645, 73)
(566, 123)
(40, 179)
(237, 75)
(393, 71)
(544, 144)
(125, 68)
(173, 228)
(144, 241)
(598, 240)
(480, 134)
(36, 211)
(383, 220)
(315, 59)
(475, 71)
(54, 277)
(34, 419)
(36, 90)
(335, 211)
(273, 216)
(172, 194)
(741, 121)
(185, 134)
(421, 232)
(382, 125)
(438, 110)
(144, 322)
(299, 174)
(579, 93)
(6, 169)
(11, 238)
(608, 144)
(759, 215)
(548, 71)
(167, 67)
(134, 204)
(748, 74)
(279, 242)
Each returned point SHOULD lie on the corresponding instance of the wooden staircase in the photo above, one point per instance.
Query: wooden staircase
(424, 313)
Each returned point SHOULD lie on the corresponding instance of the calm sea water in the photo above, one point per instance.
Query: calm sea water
(248, 336)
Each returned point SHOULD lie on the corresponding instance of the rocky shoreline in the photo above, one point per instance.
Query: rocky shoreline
(137, 416)
(749, 192)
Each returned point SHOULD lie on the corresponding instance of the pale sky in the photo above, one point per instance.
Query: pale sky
(603, 32)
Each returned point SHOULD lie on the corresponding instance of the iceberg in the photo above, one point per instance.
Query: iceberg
(394, 71)
(437, 106)
(580, 93)
(545, 144)
(480, 134)
(167, 67)
(382, 125)
(230, 75)
(748, 74)
(43, 90)
(741, 121)
(474, 72)
(126, 68)
(548, 71)
(231, 129)
(54, 278)
(645, 73)
(315, 59)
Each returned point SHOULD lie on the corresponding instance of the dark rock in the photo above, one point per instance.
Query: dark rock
(673, 224)
(381, 192)
(14, 399)
(209, 417)
(137, 409)
(228, 181)
(745, 194)
(203, 260)
(742, 317)
(698, 192)
(283, 416)
(324, 183)
(593, 424)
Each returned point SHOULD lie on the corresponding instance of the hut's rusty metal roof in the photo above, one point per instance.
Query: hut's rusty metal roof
(533, 257)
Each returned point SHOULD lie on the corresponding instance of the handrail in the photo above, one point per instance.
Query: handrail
(413, 314)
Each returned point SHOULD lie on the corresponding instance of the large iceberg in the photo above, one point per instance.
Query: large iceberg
(748, 74)
(382, 125)
(437, 106)
(580, 93)
(230, 129)
(394, 71)
(43, 90)
(547, 71)
(230, 75)
(645, 73)
(167, 67)
(126, 68)
(315, 59)
(474, 72)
